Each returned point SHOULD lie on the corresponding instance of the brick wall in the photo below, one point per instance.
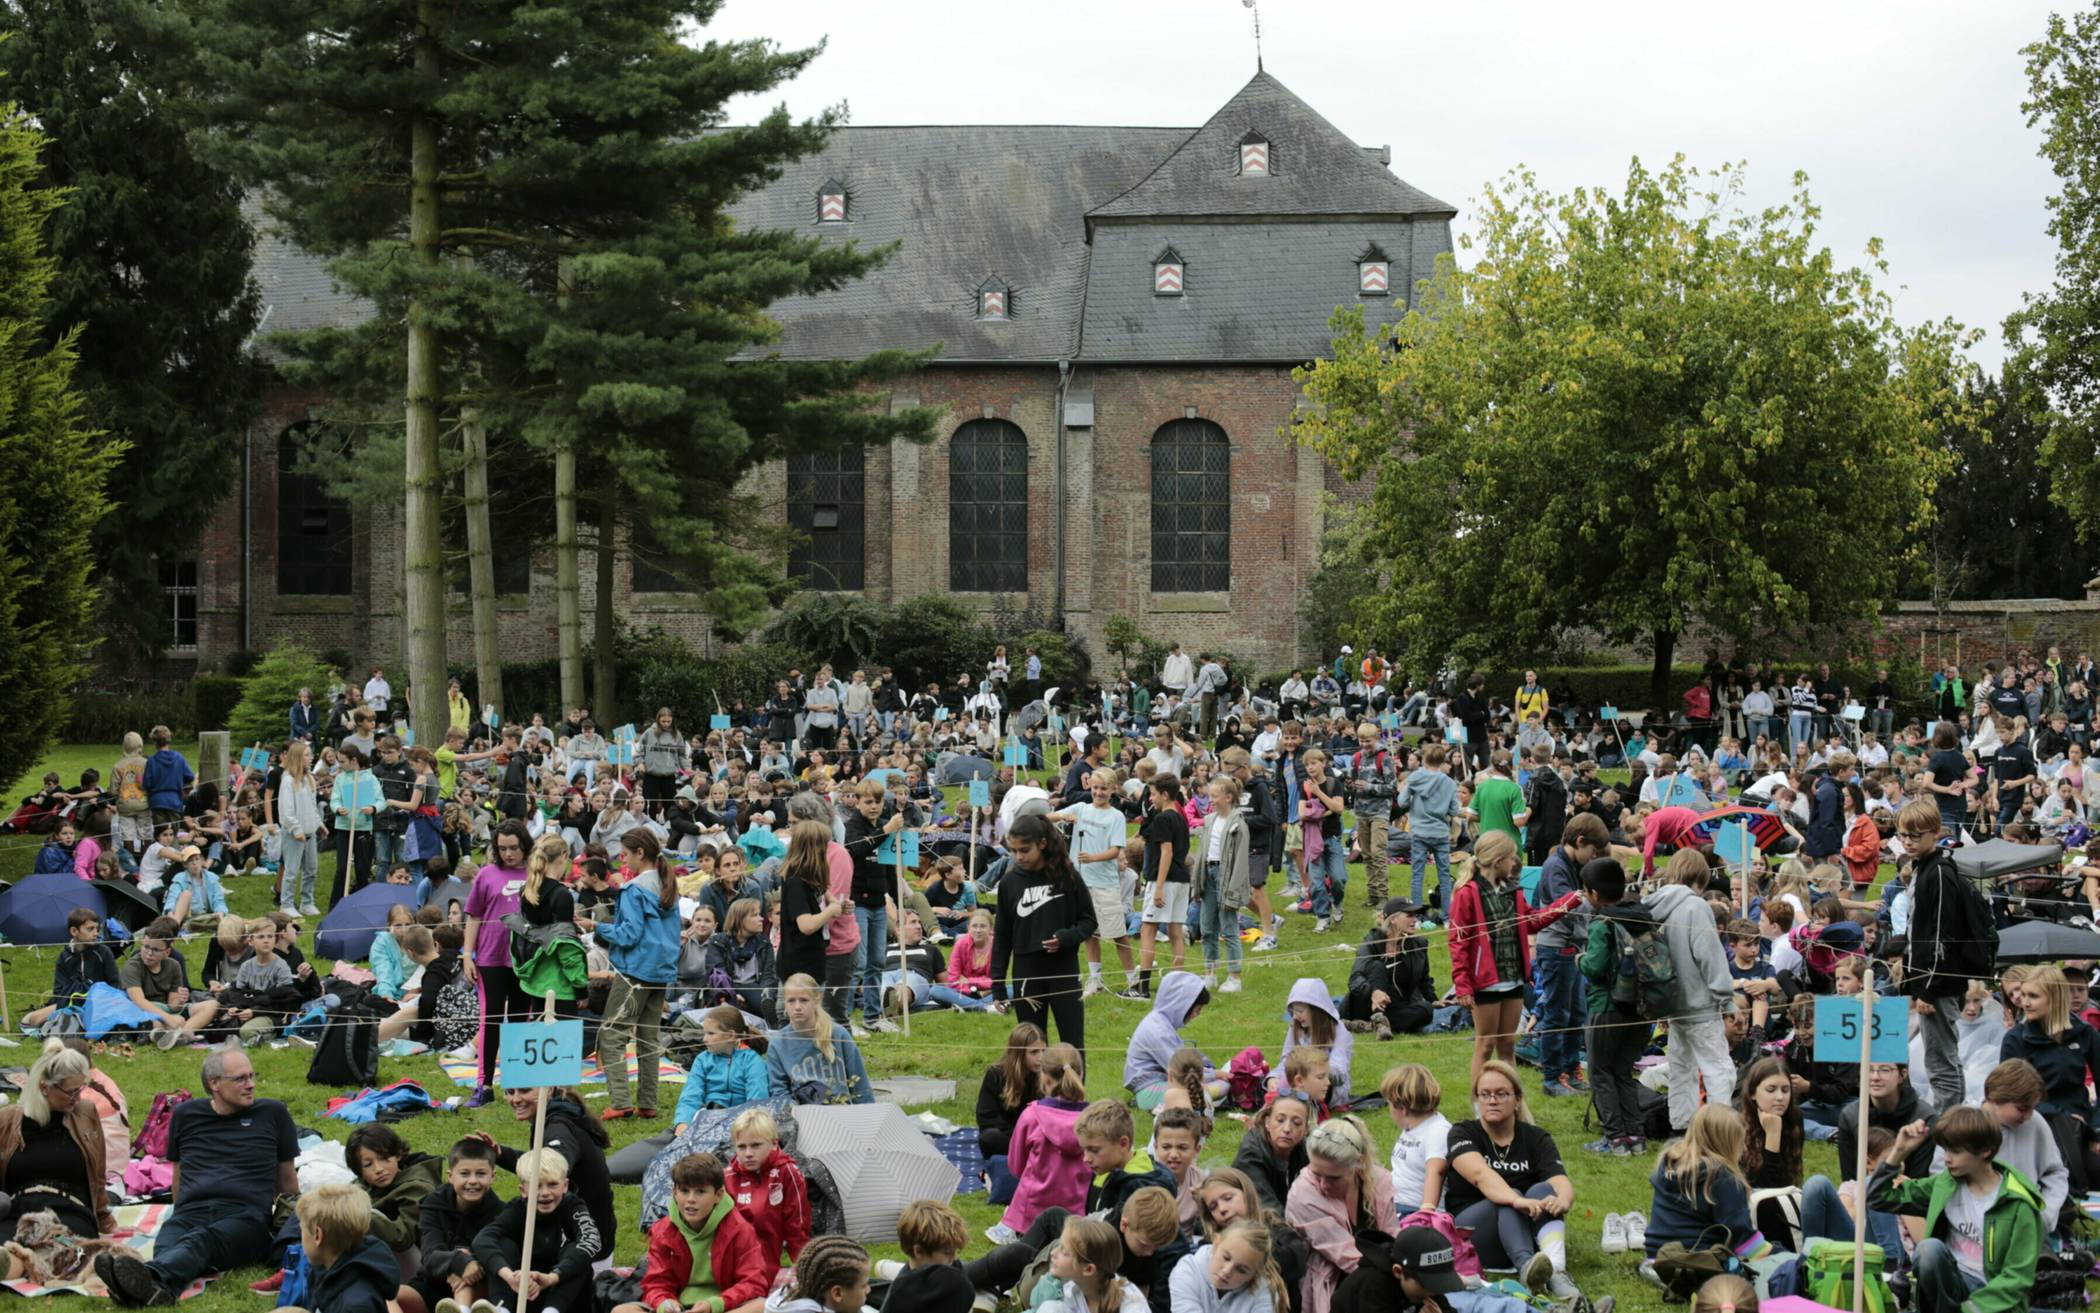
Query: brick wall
(1975, 632)
(1276, 507)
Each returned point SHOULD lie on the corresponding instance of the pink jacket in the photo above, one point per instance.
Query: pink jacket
(1329, 1229)
(85, 854)
(1044, 1155)
(963, 974)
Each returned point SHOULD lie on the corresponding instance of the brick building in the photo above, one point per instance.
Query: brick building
(1118, 310)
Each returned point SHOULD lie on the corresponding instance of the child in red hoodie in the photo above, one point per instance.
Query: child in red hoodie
(704, 1256)
(767, 1186)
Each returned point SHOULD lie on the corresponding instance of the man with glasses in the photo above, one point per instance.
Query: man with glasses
(233, 1155)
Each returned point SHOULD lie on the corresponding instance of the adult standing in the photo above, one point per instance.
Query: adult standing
(1950, 776)
(304, 717)
(1045, 914)
(167, 779)
(1176, 672)
(1264, 813)
(233, 1155)
(1830, 700)
(299, 818)
(1824, 838)
(487, 963)
(820, 709)
(661, 750)
(1210, 682)
(1470, 709)
(378, 693)
(52, 1153)
(842, 951)
(459, 713)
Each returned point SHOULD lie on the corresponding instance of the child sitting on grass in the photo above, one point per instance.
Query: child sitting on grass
(354, 1272)
(703, 1255)
(1983, 1219)
(397, 1180)
(832, 1277)
(729, 1069)
(557, 1274)
(931, 1235)
(767, 1186)
(1177, 1137)
(449, 1219)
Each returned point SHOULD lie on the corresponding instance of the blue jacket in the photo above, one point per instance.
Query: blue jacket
(167, 780)
(721, 1083)
(1824, 835)
(54, 858)
(305, 718)
(794, 1060)
(643, 937)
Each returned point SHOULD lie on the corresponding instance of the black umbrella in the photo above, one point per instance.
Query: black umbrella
(123, 901)
(2046, 941)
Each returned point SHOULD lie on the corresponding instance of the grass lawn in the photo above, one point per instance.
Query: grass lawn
(950, 1045)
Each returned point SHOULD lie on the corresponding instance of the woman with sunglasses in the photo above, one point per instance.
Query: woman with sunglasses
(52, 1154)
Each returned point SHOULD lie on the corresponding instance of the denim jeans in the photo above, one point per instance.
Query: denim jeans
(1333, 862)
(1940, 1286)
(874, 925)
(1759, 727)
(388, 847)
(1000, 1180)
(926, 996)
(1504, 1237)
(1797, 726)
(216, 1234)
(1560, 1012)
(1823, 1217)
(1221, 929)
(1422, 849)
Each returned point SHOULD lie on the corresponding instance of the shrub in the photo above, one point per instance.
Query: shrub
(931, 637)
(832, 627)
(105, 717)
(266, 695)
(1065, 660)
(242, 663)
(215, 697)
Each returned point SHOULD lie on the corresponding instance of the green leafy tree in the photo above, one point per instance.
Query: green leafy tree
(267, 692)
(153, 271)
(1632, 411)
(2052, 333)
(54, 496)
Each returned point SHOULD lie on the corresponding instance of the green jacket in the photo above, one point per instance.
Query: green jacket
(1599, 964)
(2012, 1229)
(397, 1211)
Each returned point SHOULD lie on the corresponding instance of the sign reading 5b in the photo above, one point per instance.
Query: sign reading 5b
(536, 1053)
(1838, 1022)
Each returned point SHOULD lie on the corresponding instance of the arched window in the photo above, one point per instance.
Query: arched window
(827, 506)
(988, 508)
(1191, 508)
(313, 525)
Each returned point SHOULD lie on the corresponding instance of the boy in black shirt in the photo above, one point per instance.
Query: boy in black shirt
(557, 1274)
(931, 1236)
(452, 1216)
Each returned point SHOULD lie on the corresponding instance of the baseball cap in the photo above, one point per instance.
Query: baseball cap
(1428, 1258)
(1395, 906)
(192, 851)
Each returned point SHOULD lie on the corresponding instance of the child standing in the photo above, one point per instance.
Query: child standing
(729, 1069)
(768, 1187)
(703, 1255)
(1753, 975)
(1413, 1099)
(1617, 1033)
(1099, 830)
(1165, 835)
(1044, 1154)
(1224, 846)
(643, 940)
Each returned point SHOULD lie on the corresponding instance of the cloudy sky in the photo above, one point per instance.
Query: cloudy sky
(1906, 117)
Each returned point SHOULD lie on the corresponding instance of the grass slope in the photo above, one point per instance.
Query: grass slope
(949, 1045)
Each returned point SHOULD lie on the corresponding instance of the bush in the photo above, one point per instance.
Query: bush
(1065, 660)
(266, 695)
(105, 717)
(931, 637)
(215, 697)
(833, 627)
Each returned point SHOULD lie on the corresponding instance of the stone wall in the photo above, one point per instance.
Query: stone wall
(1975, 632)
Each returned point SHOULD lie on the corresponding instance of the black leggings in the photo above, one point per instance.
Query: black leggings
(1405, 1018)
(838, 983)
(1051, 995)
(1002, 1267)
(350, 850)
(501, 1000)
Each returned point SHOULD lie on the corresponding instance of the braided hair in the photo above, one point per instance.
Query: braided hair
(828, 1261)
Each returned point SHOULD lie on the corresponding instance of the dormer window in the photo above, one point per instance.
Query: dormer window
(1374, 273)
(993, 297)
(1167, 273)
(1254, 156)
(831, 202)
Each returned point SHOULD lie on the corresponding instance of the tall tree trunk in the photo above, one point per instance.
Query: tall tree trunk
(425, 609)
(568, 578)
(605, 675)
(1659, 677)
(481, 562)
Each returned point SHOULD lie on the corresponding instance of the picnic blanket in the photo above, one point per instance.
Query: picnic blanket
(960, 1147)
(464, 1072)
(137, 1225)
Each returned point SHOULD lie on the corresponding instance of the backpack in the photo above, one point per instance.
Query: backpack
(1645, 979)
(347, 1053)
(456, 1018)
(1245, 1077)
(1964, 956)
(1825, 1275)
(152, 1139)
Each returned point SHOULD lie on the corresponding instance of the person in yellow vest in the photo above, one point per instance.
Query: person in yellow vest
(1531, 699)
(459, 713)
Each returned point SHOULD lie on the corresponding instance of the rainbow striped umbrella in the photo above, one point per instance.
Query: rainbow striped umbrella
(1762, 822)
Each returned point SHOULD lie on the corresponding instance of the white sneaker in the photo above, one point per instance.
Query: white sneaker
(1320, 926)
(1637, 1232)
(309, 909)
(167, 1037)
(1560, 1287)
(1276, 921)
(884, 1025)
(1210, 980)
(1614, 1234)
(1265, 944)
(1094, 985)
(999, 1233)
(1231, 985)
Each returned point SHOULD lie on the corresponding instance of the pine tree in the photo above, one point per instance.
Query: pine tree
(153, 269)
(53, 497)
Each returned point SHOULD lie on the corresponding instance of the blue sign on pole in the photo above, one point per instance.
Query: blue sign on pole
(980, 793)
(886, 853)
(1016, 754)
(408, 736)
(1607, 713)
(536, 1053)
(255, 759)
(1454, 733)
(1733, 843)
(1838, 1020)
(718, 721)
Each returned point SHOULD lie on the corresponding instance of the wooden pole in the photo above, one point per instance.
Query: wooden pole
(1866, 1053)
(531, 1183)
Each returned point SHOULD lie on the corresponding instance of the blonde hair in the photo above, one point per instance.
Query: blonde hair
(1345, 1142)
(1412, 1087)
(1491, 847)
(549, 856)
(1712, 1147)
(342, 1213)
(545, 1164)
(756, 1121)
(1262, 1241)
(820, 1034)
(927, 1226)
(2057, 991)
(55, 1063)
(1498, 1067)
(1727, 1293)
(1106, 1119)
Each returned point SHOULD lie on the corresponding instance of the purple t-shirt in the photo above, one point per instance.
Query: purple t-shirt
(493, 897)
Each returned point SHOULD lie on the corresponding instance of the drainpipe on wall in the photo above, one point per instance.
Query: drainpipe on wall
(1064, 381)
(247, 537)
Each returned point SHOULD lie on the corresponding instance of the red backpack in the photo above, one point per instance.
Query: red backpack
(152, 1139)
(1245, 1076)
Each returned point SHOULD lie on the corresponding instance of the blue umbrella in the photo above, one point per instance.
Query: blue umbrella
(346, 932)
(34, 910)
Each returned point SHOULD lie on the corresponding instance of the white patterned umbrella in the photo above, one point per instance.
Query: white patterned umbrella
(879, 1160)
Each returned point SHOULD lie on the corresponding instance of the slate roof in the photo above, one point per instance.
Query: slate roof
(1069, 219)
(1313, 168)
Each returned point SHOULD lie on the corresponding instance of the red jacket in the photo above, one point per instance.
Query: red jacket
(1473, 953)
(1862, 851)
(775, 1200)
(741, 1270)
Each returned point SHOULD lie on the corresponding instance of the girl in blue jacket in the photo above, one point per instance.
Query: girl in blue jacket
(643, 944)
(728, 1071)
